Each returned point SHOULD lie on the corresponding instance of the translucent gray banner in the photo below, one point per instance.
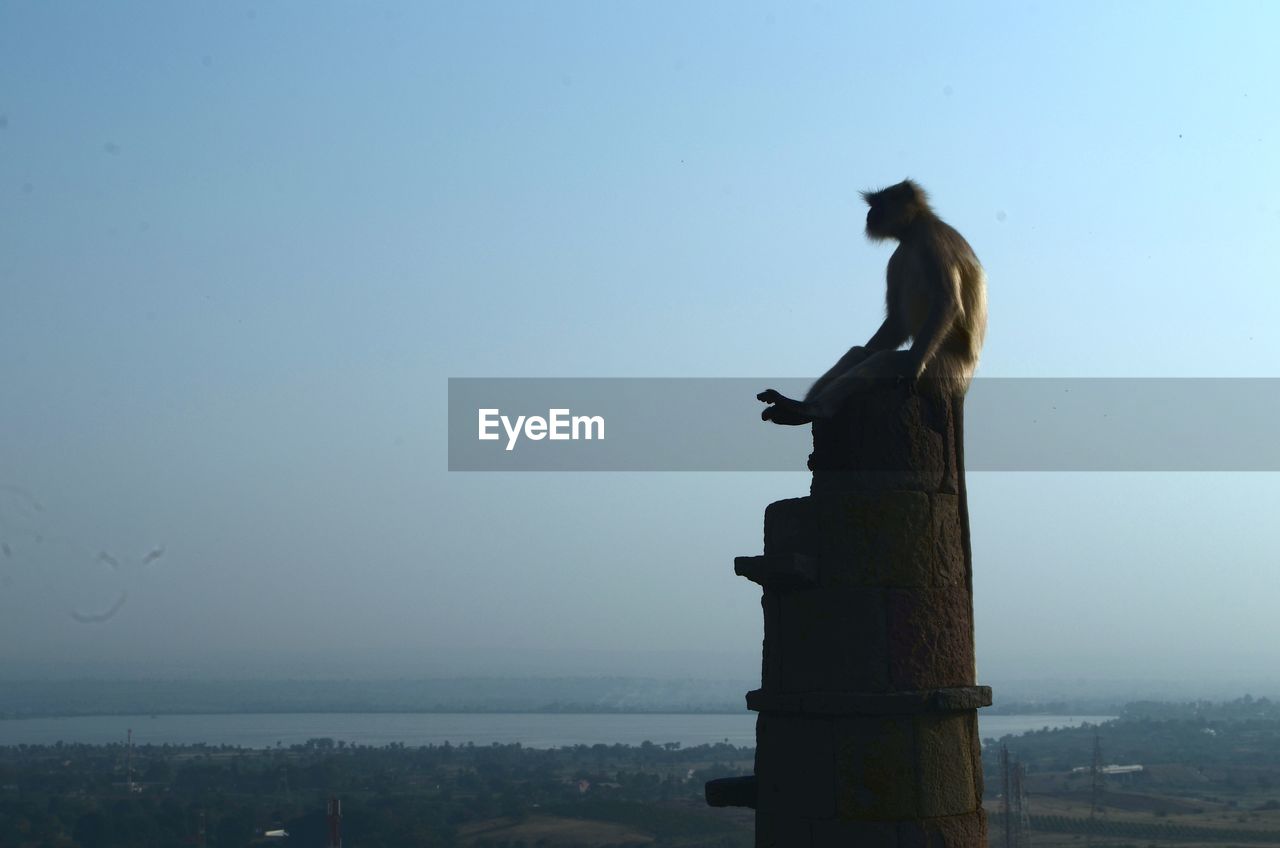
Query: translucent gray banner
(709, 424)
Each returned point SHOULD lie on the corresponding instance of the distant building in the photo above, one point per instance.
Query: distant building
(1110, 770)
(1121, 769)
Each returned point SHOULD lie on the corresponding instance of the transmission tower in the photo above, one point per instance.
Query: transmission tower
(1022, 832)
(333, 813)
(1095, 787)
(1006, 806)
(128, 762)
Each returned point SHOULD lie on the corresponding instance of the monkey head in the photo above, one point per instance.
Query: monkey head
(893, 210)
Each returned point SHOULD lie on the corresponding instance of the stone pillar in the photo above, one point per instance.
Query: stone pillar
(867, 730)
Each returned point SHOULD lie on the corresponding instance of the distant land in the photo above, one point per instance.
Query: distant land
(47, 698)
(37, 698)
(1192, 773)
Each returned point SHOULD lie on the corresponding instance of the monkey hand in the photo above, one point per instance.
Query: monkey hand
(782, 409)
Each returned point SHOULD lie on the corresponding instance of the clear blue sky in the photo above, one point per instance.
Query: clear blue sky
(244, 246)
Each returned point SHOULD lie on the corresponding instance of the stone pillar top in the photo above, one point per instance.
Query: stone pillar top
(896, 437)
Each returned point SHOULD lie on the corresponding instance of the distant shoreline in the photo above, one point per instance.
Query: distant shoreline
(726, 711)
(535, 730)
(506, 696)
(375, 711)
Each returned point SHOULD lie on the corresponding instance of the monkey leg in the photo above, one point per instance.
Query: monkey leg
(782, 409)
(880, 370)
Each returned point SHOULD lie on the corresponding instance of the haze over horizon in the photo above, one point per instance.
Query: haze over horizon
(246, 245)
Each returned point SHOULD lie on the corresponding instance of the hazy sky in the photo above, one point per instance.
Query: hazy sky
(244, 246)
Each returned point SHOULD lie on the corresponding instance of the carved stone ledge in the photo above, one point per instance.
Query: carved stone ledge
(732, 792)
(778, 571)
(949, 699)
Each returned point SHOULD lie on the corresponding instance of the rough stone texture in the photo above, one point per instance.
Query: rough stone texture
(975, 751)
(771, 655)
(784, 833)
(828, 642)
(867, 729)
(968, 830)
(893, 439)
(895, 538)
(855, 834)
(962, 831)
(955, 699)
(943, 764)
(790, 527)
(948, 539)
(875, 768)
(930, 638)
(795, 767)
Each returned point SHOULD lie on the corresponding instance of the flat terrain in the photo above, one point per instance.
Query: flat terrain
(551, 830)
(1132, 818)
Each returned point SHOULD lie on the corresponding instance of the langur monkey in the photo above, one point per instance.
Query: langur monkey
(936, 297)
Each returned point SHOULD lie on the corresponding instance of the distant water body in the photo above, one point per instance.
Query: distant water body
(534, 730)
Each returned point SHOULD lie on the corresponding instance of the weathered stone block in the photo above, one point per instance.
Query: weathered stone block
(831, 640)
(944, 746)
(771, 655)
(783, 831)
(975, 754)
(930, 636)
(948, 539)
(893, 439)
(796, 832)
(902, 539)
(963, 831)
(859, 531)
(875, 768)
(855, 834)
(790, 526)
(795, 767)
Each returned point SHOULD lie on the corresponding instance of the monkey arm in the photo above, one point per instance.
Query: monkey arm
(877, 369)
(858, 370)
(860, 367)
(844, 365)
(938, 322)
(890, 336)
